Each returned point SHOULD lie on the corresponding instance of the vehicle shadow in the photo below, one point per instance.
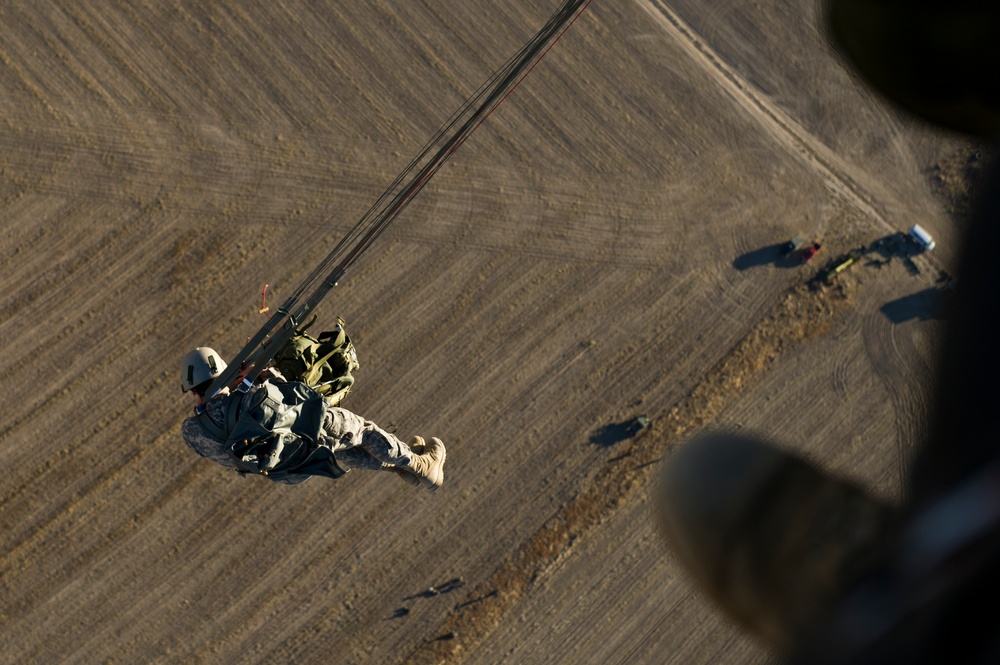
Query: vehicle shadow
(609, 435)
(898, 245)
(931, 303)
(772, 254)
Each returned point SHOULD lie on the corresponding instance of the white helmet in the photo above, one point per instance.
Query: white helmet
(201, 365)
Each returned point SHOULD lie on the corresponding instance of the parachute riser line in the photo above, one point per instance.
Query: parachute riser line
(253, 358)
(247, 356)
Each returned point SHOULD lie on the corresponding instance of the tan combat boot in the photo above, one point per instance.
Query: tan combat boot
(416, 445)
(429, 464)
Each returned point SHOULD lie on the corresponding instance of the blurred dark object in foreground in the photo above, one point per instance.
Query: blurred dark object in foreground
(931, 600)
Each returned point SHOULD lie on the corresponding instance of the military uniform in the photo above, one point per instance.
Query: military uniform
(345, 441)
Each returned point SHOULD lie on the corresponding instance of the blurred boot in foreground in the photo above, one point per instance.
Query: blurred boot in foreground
(771, 539)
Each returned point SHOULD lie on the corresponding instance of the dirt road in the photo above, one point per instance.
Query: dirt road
(598, 250)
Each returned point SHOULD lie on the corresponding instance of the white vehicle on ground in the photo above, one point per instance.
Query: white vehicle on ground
(921, 237)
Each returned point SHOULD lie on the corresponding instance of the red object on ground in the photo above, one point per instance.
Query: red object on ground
(810, 252)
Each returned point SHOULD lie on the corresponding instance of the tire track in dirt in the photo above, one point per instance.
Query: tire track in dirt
(29, 82)
(85, 552)
(198, 544)
(787, 132)
(879, 343)
(96, 302)
(46, 521)
(98, 305)
(841, 372)
(882, 347)
(791, 135)
(61, 513)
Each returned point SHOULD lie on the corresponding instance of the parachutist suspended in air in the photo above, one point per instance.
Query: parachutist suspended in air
(287, 431)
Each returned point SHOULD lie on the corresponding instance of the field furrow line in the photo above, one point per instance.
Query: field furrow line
(788, 133)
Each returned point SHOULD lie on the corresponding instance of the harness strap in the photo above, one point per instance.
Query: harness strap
(211, 428)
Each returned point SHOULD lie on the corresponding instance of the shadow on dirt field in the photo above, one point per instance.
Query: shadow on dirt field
(775, 255)
(923, 305)
(614, 433)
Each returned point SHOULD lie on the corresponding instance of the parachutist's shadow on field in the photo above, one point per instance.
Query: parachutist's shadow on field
(773, 254)
(429, 592)
(609, 435)
(923, 305)
(447, 587)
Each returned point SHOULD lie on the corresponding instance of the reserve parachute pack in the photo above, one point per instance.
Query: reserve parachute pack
(325, 363)
(273, 430)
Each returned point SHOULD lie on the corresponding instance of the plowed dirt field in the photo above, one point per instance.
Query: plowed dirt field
(604, 247)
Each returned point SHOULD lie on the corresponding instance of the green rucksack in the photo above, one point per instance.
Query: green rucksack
(325, 363)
